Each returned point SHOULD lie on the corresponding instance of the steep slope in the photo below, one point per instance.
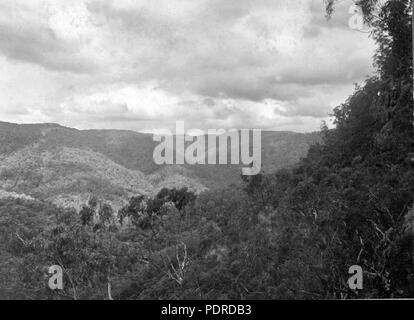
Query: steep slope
(67, 175)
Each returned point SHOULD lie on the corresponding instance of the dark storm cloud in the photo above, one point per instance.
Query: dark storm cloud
(40, 46)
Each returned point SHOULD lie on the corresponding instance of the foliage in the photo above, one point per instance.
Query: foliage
(289, 234)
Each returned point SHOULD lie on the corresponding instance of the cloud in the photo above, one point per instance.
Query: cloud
(52, 35)
(142, 64)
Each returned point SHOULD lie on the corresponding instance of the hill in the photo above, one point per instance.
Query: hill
(65, 165)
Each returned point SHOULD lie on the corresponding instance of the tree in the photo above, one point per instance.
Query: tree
(86, 215)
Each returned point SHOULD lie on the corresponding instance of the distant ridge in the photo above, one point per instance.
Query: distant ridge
(66, 166)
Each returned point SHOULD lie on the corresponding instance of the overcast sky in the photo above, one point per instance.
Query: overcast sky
(141, 65)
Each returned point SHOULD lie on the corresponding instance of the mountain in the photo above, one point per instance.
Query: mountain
(66, 166)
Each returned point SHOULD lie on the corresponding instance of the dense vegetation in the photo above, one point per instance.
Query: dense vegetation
(61, 165)
(291, 234)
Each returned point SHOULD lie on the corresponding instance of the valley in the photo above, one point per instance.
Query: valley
(66, 166)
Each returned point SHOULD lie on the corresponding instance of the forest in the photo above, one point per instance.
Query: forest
(292, 234)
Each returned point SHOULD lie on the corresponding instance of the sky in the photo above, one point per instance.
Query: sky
(142, 65)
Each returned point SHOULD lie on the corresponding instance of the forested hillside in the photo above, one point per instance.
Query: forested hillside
(66, 166)
(289, 234)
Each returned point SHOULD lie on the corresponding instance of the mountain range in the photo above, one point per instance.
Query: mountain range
(66, 166)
